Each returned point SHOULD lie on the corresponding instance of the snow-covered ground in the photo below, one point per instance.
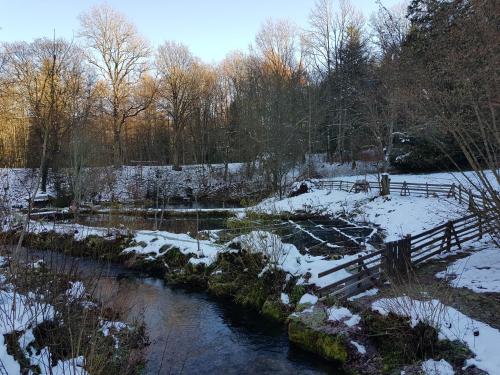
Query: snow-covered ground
(397, 215)
(156, 243)
(20, 313)
(128, 183)
(451, 324)
(479, 272)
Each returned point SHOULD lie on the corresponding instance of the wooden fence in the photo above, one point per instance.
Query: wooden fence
(397, 258)
(475, 200)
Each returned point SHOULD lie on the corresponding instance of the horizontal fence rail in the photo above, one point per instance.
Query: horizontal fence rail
(476, 200)
(398, 257)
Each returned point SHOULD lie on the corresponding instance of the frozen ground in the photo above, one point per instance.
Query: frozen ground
(397, 215)
(451, 324)
(479, 272)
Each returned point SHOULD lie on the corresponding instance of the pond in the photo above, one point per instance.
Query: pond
(176, 224)
(190, 332)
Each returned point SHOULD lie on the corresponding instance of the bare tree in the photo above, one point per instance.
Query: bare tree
(120, 54)
(331, 26)
(177, 91)
(42, 73)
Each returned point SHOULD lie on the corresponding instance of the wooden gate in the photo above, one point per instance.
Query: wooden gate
(396, 259)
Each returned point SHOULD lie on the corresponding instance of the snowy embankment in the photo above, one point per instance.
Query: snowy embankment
(397, 215)
(129, 183)
(479, 272)
(25, 315)
(78, 231)
(451, 324)
(154, 244)
(20, 314)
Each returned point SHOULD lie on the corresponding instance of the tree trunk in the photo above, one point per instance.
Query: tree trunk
(117, 149)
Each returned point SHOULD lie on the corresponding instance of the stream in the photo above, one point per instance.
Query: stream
(191, 332)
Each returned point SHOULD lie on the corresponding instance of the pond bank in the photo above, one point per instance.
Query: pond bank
(194, 332)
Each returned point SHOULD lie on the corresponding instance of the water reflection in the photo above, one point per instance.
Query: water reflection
(169, 224)
(190, 332)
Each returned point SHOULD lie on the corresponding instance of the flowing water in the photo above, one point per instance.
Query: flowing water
(190, 332)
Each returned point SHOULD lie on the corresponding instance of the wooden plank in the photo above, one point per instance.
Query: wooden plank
(349, 263)
(357, 287)
(348, 279)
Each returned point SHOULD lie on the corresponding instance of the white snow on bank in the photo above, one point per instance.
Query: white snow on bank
(18, 313)
(78, 231)
(156, 243)
(308, 298)
(288, 258)
(481, 339)
(432, 367)
(397, 215)
(361, 348)
(75, 291)
(479, 272)
(368, 293)
(344, 315)
(285, 299)
(108, 326)
(130, 182)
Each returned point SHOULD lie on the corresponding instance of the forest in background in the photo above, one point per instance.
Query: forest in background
(415, 86)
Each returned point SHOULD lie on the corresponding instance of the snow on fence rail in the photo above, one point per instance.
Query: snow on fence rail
(397, 258)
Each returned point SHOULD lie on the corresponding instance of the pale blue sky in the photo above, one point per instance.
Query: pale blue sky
(211, 28)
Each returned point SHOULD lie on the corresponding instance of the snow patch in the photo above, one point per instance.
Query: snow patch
(361, 349)
(344, 315)
(432, 367)
(481, 339)
(308, 298)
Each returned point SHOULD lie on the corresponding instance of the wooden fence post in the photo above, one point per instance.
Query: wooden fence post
(427, 189)
(460, 193)
(449, 230)
(404, 189)
(385, 188)
(480, 220)
(451, 192)
(472, 206)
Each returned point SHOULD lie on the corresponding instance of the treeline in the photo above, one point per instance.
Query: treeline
(415, 85)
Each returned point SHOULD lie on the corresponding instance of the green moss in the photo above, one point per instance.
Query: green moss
(297, 292)
(251, 295)
(174, 258)
(455, 352)
(398, 342)
(274, 309)
(330, 347)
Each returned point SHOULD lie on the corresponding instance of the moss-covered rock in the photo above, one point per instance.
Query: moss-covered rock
(173, 257)
(328, 346)
(275, 309)
(296, 293)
